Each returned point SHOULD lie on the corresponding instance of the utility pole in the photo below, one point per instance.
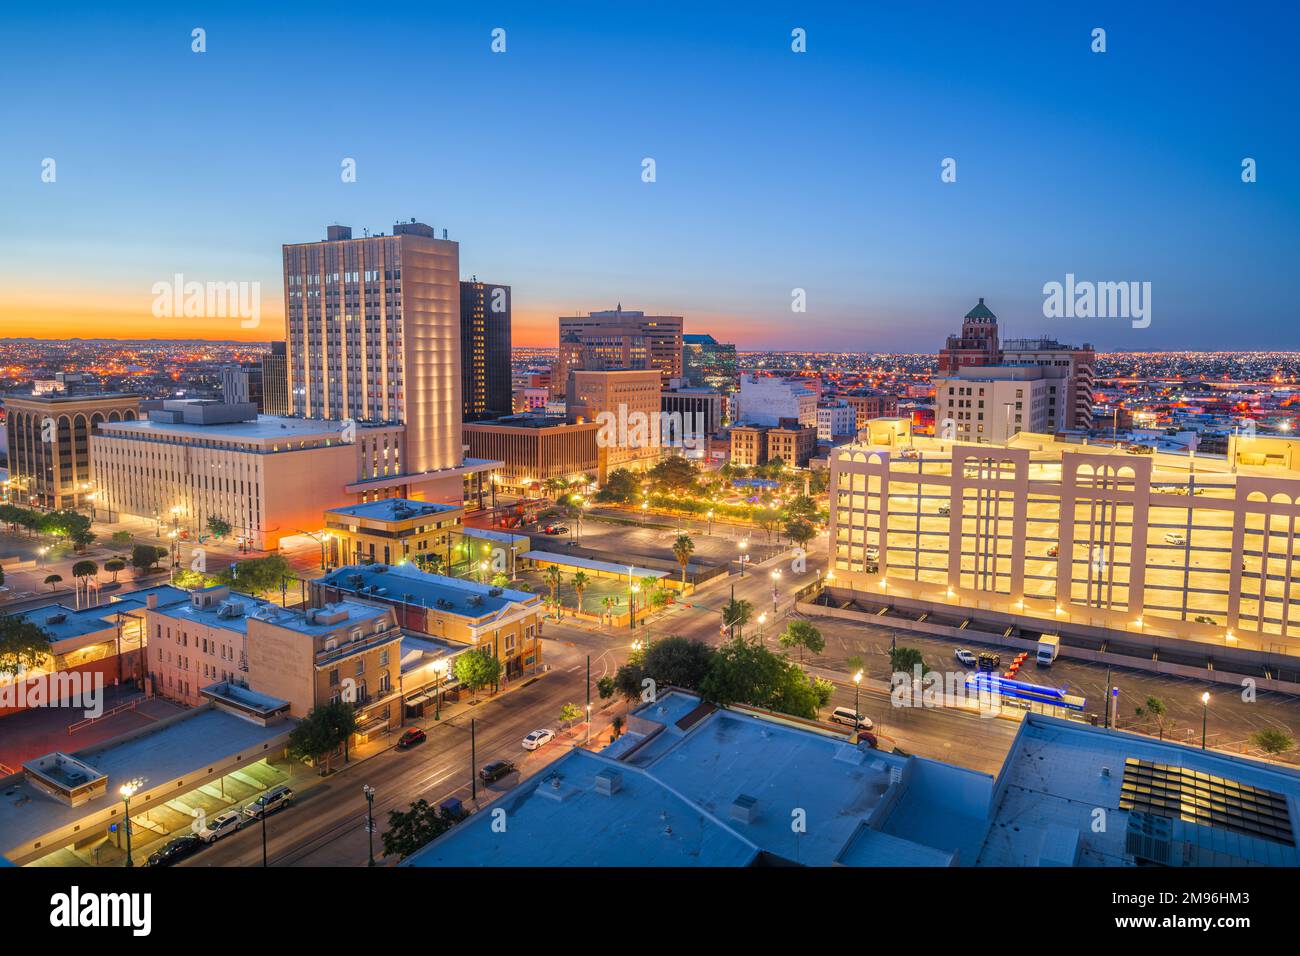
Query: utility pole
(588, 689)
(1106, 723)
(473, 762)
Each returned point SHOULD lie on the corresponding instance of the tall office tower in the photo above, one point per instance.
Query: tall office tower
(485, 349)
(708, 363)
(374, 335)
(242, 384)
(619, 341)
(977, 344)
(1070, 371)
(275, 381)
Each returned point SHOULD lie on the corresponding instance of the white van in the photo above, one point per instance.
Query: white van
(845, 716)
(1173, 537)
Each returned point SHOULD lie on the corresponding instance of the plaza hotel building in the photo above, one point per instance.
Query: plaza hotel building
(1158, 544)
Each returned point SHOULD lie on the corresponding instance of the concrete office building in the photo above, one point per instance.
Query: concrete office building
(619, 340)
(1159, 545)
(275, 381)
(1070, 371)
(619, 400)
(836, 419)
(698, 408)
(390, 531)
(242, 385)
(869, 405)
(485, 349)
(765, 401)
(374, 328)
(532, 448)
(49, 444)
(266, 476)
(991, 403)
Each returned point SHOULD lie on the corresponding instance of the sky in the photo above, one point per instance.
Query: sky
(774, 170)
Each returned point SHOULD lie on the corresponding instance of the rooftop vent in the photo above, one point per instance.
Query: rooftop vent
(494, 592)
(56, 619)
(609, 781)
(745, 808)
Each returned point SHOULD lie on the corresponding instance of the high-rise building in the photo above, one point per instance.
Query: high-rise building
(275, 381)
(618, 340)
(708, 363)
(374, 335)
(485, 349)
(977, 344)
(242, 384)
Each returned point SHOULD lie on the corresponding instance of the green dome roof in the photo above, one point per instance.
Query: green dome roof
(981, 311)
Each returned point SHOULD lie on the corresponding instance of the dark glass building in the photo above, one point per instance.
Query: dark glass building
(485, 350)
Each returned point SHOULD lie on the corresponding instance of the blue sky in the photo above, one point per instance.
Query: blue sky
(775, 170)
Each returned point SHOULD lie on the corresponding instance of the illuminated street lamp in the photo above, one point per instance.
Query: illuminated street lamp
(762, 619)
(369, 791)
(710, 517)
(857, 687)
(645, 506)
(589, 722)
(776, 578)
(41, 551)
(743, 545)
(127, 790)
(1205, 715)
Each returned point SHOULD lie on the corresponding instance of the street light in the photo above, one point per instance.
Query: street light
(743, 545)
(589, 722)
(710, 517)
(857, 686)
(631, 605)
(41, 551)
(1205, 715)
(127, 790)
(762, 619)
(776, 577)
(369, 791)
(645, 506)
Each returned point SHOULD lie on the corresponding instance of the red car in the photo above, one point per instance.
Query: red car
(412, 737)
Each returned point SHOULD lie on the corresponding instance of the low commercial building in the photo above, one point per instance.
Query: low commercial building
(836, 419)
(792, 442)
(49, 443)
(764, 400)
(505, 623)
(390, 531)
(748, 445)
(532, 448)
(867, 405)
(1163, 545)
(991, 403)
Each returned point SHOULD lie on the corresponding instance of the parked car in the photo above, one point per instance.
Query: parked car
(555, 529)
(869, 739)
(411, 737)
(945, 510)
(1053, 551)
(1173, 537)
(537, 738)
(494, 771)
(845, 716)
(988, 662)
(221, 825)
(873, 552)
(965, 656)
(274, 799)
(175, 851)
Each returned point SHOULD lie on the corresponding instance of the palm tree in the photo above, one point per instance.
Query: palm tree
(580, 582)
(683, 547)
(53, 580)
(608, 604)
(553, 579)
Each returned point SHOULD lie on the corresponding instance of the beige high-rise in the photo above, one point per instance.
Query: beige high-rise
(373, 332)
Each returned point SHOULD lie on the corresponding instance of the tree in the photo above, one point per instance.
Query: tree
(53, 580)
(744, 672)
(620, 486)
(81, 539)
(85, 569)
(500, 580)
(478, 669)
(580, 582)
(23, 645)
(218, 527)
(1155, 709)
(121, 539)
(320, 734)
(799, 531)
(1272, 741)
(408, 830)
(257, 575)
(608, 603)
(145, 557)
(803, 635)
(677, 661)
(823, 689)
(736, 614)
(553, 578)
(605, 687)
(617, 725)
(683, 548)
(568, 714)
(905, 660)
(113, 566)
(675, 475)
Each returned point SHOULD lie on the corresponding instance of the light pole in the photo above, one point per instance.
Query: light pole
(439, 669)
(857, 686)
(41, 551)
(710, 517)
(369, 791)
(127, 790)
(1205, 715)
(762, 619)
(631, 605)
(776, 577)
(588, 724)
(645, 506)
(743, 545)
(631, 611)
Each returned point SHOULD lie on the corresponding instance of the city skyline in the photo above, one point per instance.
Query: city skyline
(886, 252)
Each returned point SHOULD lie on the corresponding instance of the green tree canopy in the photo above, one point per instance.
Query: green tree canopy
(408, 830)
(478, 669)
(322, 732)
(218, 527)
(22, 644)
(803, 635)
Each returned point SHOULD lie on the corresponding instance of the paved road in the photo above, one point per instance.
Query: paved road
(326, 827)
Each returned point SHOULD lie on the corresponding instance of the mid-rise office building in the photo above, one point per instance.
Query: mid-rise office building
(374, 327)
(836, 419)
(764, 400)
(698, 409)
(532, 448)
(617, 340)
(867, 405)
(708, 363)
(976, 345)
(1070, 371)
(242, 385)
(626, 403)
(49, 443)
(485, 349)
(991, 403)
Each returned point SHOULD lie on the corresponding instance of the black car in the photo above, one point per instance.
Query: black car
(412, 737)
(988, 662)
(175, 851)
(491, 773)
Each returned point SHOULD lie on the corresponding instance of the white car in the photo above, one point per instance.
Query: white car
(845, 716)
(964, 656)
(873, 552)
(219, 826)
(1174, 537)
(537, 738)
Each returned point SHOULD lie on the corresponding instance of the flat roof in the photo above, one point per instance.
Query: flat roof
(1058, 771)
(426, 589)
(264, 429)
(608, 567)
(700, 787)
(90, 620)
(393, 509)
(199, 739)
